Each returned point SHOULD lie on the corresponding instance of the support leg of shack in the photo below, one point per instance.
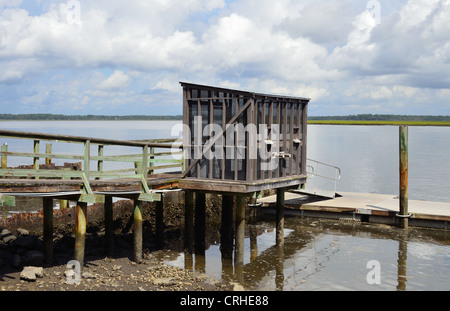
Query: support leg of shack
(137, 230)
(280, 217)
(226, 230)
(200, 222)
(48, 229)
(80, 232)
(188, 220)
(240, 229)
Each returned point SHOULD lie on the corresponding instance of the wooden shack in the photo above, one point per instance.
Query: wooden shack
(242, 142)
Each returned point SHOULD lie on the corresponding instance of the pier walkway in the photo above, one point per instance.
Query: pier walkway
(368, 207)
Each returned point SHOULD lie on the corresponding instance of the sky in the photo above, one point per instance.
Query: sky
(110, 57)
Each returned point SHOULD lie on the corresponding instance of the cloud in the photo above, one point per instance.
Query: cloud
(332, 51)
(118, 80)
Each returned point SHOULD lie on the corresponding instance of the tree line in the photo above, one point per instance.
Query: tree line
(51, 117)
(382, 117)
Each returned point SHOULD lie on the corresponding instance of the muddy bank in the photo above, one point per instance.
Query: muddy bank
(21, 246)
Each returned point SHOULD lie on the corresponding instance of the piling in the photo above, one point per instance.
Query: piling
(226, 229)
(109, 234)
(200, 222)
(4, 157)
(240, 229)
(137, 231)
(48, 150)
(80, 232)
(280, 217)
(48, 229)
(159, 213)
(188, 220)
(403, 145)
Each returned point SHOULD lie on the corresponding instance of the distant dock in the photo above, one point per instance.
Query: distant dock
(364, 207)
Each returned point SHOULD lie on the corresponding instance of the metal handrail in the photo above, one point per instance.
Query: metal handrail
(314, 172)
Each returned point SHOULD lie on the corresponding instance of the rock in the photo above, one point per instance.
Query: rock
(164, 282)
(7, 236)
(33, 258)
(22, 232)
(87, 275)
(237, 287)
(31, 273)
(117, 267)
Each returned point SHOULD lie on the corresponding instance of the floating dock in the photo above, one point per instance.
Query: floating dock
(364, 207)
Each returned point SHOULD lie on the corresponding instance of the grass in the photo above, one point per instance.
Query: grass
(367, 122)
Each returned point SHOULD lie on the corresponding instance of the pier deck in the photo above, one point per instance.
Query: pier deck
(370, 207)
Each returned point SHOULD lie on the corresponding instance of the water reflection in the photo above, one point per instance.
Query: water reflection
(324, 255)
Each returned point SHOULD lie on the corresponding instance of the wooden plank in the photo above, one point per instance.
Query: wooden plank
(212, 141)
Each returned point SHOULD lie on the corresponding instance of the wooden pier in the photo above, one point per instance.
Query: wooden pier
(364, 207)
(258, 143)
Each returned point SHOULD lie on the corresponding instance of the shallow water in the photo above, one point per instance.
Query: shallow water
(328, 255)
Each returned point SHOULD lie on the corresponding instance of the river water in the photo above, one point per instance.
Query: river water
(321, 254)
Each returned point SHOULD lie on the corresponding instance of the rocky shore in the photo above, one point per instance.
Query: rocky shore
(23, 267)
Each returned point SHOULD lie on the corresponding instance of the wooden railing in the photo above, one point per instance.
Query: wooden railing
(155, 156)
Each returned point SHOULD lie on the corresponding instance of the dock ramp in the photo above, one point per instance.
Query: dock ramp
(322, 179)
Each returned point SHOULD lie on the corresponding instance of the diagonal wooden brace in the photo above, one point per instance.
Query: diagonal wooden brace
(87, 195)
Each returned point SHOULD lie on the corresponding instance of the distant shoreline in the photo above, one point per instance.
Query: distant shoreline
(365, 122)
(61, 117)
(363, 119)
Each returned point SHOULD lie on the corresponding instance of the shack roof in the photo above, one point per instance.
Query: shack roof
(248, 93)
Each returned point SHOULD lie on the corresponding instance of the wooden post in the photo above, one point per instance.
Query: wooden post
(226, 236)
(63, 204)
(188, 220)
(48, 229)
(4, 157)
(80, 232)
(240, 230)
(159, 213)
(200, 222)
(403, 139)
(48, 150)
(36, 159)
(109, 235)
(137, 229)
(226, 230)
(100, 162)
(280, 217)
